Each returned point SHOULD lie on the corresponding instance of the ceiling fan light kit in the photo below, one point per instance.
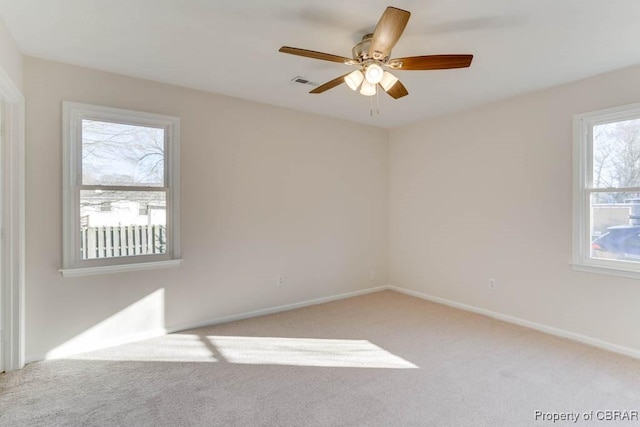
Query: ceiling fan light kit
(373, 53)
(373, 73)
(354, 79)
(388, 80)
(368, 89)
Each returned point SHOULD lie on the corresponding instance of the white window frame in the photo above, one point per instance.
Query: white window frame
(73, 113)
(582, 188)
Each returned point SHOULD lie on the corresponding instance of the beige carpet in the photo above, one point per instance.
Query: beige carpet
(382, 359)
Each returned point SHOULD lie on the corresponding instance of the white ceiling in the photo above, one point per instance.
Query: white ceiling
(231, 47)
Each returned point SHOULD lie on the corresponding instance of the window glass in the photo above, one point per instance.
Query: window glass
(121, 154)
(122, 230)
(616, 154)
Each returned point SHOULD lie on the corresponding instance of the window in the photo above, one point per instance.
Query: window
(118, 164)
(607, 191)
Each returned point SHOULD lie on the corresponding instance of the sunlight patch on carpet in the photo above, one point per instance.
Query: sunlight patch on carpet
(306, 352)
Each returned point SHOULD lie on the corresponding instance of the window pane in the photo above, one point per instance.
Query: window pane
(615, 226)
(119, 154)
(616, 154)
(122, 223)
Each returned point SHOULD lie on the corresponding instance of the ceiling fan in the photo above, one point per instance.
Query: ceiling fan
(372, 54)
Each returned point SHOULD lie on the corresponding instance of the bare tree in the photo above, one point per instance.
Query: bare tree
(119, 154)
(616, 158)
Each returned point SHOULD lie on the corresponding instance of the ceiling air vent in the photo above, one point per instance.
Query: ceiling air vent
(303, 81)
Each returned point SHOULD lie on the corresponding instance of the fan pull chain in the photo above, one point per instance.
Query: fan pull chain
(375, 104)
(371, 106)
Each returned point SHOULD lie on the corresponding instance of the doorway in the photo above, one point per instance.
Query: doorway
(12, 351)
(2, 256)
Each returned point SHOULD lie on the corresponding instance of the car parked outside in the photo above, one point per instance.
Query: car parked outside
(619, 242)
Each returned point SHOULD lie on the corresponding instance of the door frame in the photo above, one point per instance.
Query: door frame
(12, 253)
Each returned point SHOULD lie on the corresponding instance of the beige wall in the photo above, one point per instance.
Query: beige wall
(480, 194)
(10, 56)
(486, 193)
(264, 191)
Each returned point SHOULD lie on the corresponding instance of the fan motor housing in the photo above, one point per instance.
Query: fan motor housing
(361, 50)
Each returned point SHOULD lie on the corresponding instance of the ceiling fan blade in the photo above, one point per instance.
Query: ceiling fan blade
(431, 62)
(330, 84)
(397, 90)
(388, 31)
(316, 55)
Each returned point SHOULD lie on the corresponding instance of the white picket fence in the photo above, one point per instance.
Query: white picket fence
(122, 240)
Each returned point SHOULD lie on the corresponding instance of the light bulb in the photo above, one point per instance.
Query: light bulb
(373, 74)
(388, 80)
(354, 79)
(368, 89)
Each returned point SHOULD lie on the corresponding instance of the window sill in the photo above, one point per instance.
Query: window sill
(629, 274)
(90, 271)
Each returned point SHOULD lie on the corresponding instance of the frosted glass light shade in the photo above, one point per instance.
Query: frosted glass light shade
(373, 74)
(368, 89)
(388, 80)
(354, 79)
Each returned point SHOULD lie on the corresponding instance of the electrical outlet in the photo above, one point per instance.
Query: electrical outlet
(280, 280)
(372, 275)
(492, 284)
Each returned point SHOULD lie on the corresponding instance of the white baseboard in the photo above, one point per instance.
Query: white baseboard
(112, 342)
(255, 313)
(277, 309)
(594, 342)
